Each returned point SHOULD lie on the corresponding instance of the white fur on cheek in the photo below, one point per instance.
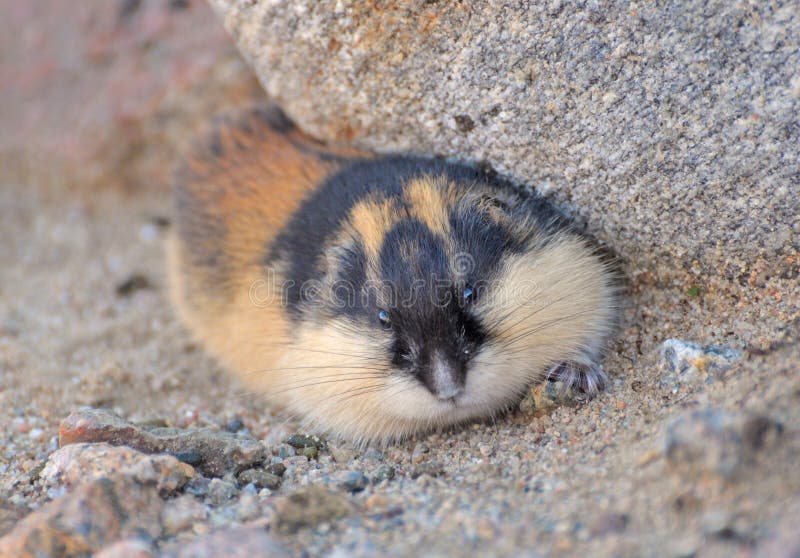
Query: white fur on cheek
(495, 380)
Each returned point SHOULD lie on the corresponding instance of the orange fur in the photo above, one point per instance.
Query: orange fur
(250, 176)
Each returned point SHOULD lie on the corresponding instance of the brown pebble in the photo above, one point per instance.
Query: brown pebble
(79, 463)
(310, 506)
(261, 479)
(418, 454)
(219, 452)
(377, 503)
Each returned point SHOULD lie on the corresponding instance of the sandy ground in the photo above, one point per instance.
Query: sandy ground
(584, 479)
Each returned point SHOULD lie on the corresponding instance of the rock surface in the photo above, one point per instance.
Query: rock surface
(127, 548)
(671, 129)
(309, 507)
(688, 363)
(241, 542)
(94, 515)
(79, 463)
(212, 452)
(716, 441)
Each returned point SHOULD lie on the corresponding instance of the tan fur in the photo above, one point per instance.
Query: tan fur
(370, 220)
(430, 200)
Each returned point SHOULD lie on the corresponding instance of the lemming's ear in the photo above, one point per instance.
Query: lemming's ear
(497, 207)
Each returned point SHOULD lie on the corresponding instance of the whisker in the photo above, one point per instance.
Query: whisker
(312, 384)
(347, 375)
(528, 316)
(542, 326)
(290, 346)
(309, 367)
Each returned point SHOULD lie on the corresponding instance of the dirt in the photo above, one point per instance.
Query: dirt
(589, 477)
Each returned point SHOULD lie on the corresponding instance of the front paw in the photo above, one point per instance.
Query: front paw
(586, 377)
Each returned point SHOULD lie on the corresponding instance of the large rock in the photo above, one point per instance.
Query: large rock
(77, 464)
(96, 514)
(212, 452)
(673, 130)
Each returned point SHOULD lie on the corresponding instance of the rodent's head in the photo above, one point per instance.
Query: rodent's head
(442, 304)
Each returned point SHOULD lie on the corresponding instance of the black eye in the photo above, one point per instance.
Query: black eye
(468, 294)
(383, 316)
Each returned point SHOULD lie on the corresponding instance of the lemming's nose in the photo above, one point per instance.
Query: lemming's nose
(447, 380)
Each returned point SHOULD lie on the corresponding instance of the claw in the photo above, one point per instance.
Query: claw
(589, 378)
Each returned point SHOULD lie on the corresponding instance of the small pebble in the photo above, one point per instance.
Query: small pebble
(285, 450)
(430, 468)
(260, 478)
(418, 454)
(311, 452)
(277, 469)
(197, 486)
(220, 491)
(181, 513)
(310, 506)
(192, 458)
(248, 507)
(352, 481)
(301, 441)
(235, 425)
(36, 434)
(135, 282)
(687, 362)
(383, 473)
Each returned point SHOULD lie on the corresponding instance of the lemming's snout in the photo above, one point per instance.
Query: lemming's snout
(446, 377)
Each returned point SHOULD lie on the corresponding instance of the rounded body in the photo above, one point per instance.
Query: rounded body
(377, 297)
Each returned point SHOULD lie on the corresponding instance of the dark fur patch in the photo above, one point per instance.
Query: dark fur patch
(351, 276)
(302, 241)
(412, 253)
(483, 240)
(274, 117)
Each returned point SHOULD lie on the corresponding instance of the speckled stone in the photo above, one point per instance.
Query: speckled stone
(310, 506)
(212, 452)
(80, 463)
(687, 362)
(94, 515)
(718, 441)
(671, 129)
